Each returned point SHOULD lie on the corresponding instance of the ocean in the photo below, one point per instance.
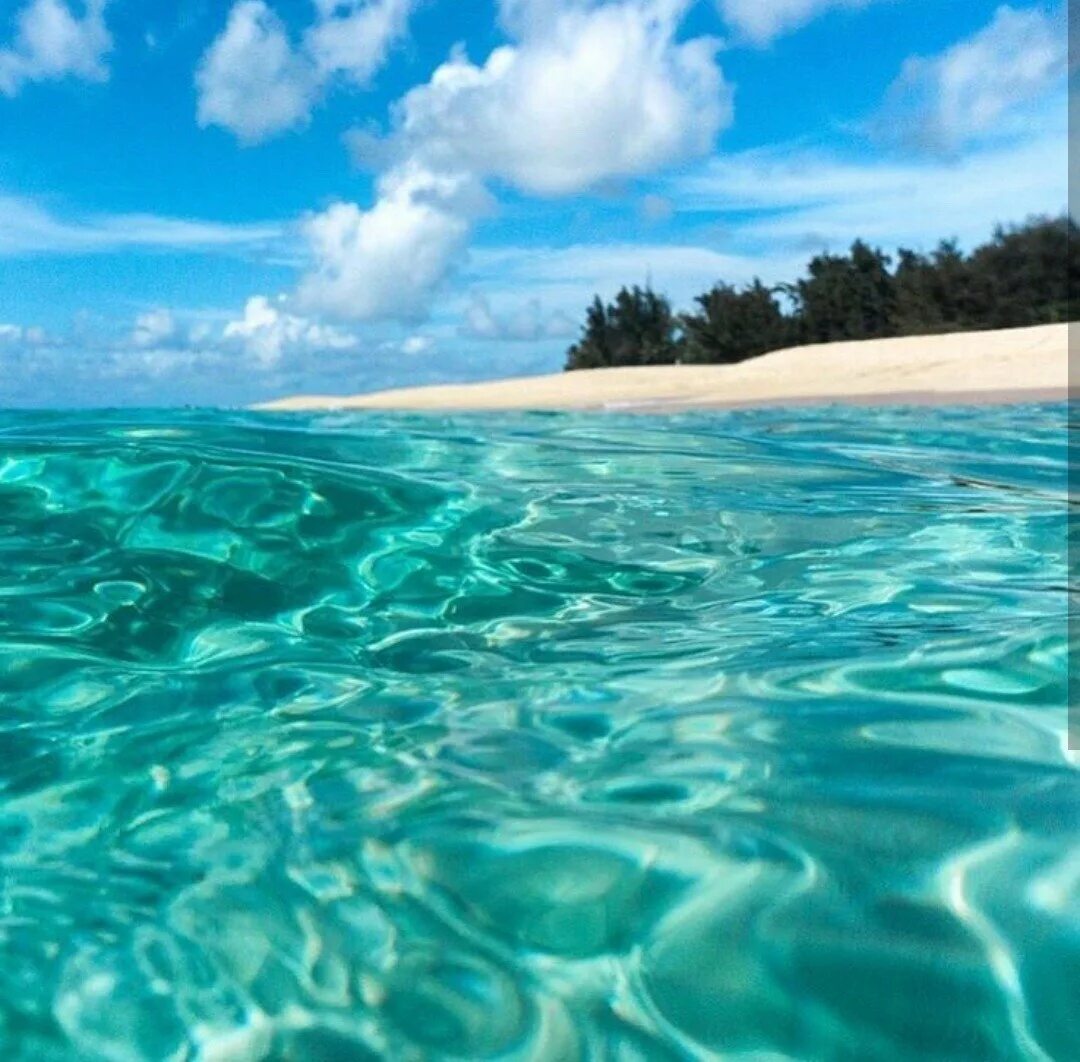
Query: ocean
(547, 736)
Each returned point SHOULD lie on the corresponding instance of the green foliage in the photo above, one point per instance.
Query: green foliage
(933, 294)
(733, 325)
(846, 297)
(1026, 275)
(639, 328)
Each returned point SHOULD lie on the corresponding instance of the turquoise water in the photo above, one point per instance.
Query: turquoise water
(537, 737)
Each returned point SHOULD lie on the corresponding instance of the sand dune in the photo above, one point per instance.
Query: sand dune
(1010, 365)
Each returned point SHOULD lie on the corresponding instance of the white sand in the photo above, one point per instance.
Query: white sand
(1010, 365)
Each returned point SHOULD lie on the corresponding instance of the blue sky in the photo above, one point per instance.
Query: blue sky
(209, 203)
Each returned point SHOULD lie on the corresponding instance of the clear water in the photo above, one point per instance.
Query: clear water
(537, 737)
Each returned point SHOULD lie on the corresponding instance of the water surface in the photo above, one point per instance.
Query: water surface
(537, 737)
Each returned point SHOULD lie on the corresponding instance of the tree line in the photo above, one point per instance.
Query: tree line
(1025, 275)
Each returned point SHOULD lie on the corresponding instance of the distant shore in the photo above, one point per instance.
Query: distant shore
(1012, 365)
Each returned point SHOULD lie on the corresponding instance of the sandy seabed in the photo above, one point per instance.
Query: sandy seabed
(1012, 365)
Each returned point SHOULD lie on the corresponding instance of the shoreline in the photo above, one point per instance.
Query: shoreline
(1010, 397)
(1007, 366)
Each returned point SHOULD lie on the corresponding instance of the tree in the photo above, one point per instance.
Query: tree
(1025, 275)
(639, 328)
(846, 297)
(595, 348)
(933, 294)
(733, 325)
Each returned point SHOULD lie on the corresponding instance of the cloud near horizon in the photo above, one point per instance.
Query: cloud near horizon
(525, 324)
(267, 331)
(201, 361)
(154, 328)
(163, 346)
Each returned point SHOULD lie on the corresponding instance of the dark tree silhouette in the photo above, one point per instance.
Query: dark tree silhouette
(1025, 275)
(595, 349)
(639, 328)
(933, 294)
(733, 325)
(846, 296)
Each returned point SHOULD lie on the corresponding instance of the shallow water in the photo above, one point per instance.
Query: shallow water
(537, 737)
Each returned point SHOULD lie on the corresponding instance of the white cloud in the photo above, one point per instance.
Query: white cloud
(200, 333)
(268, 331)
(353, 38)
(945, 101)
(28, 227)
(565, 278)
(795, 200)
(527, 323)
(18, 338)
(11, 334)
(255, 82)
(589, 92)
(414, 346)
(53, 42)
(480, 322)
(170, 356)
(388, 262)
(251, 81)
(762, 21)
(153, 328)
(780, 206)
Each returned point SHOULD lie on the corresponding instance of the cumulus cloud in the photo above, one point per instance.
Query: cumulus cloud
(153, 328)
(528, 323)
(256, 82)
(387, 262)
(941, 102)
(588, 92)
(268, 331)
(353, 38)
(761, 21)
(52, 42)
(251, 81)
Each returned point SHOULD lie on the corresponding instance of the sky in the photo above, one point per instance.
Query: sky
(215, 203)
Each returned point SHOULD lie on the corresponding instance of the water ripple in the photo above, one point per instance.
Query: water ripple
(537, 737)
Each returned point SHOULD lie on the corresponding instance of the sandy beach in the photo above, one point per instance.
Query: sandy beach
(1024, 364)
